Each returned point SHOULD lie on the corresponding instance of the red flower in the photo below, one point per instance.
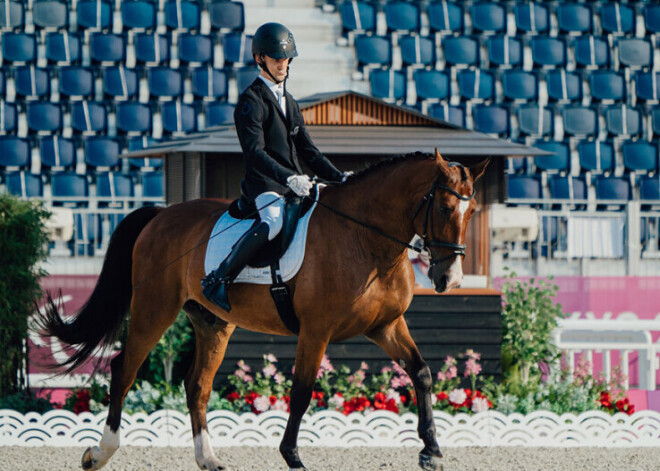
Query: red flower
(357, 404)
(403, 399)
(624, 405)
(318, 396)
(606, 400)
(442, 396)
(272, 400)
(232, 396)
(82, 402)
(250, 397)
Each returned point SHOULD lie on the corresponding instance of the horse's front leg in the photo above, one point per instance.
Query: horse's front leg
(308, 359)
(395, 339)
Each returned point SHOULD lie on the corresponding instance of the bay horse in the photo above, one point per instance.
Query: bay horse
(353, 281)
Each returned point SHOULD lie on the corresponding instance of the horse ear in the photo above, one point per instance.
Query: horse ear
(478, 170)
(440, 160)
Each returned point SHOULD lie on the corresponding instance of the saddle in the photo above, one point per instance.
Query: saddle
(294, 208)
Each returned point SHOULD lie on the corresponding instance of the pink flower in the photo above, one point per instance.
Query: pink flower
(336, 402)
(280, 404)
(450, 361)
(269, 370)
(471, 354)
(364, 366)
(243, 366)
(451, 373)
(262, 403)
(243, 376)
(271, 358)
(326, 365)
(457, 396)
(480, 404)
(279, 378)
(386, 369)
(582, 369)
(441, 376)
(472, 367)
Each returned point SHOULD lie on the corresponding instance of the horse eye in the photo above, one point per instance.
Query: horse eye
(444, 210)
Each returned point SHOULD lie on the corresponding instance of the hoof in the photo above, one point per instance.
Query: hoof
(87, 461)
(292, 458)
(429, 463)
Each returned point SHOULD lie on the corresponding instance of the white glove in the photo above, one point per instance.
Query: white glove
(300, 184)
(346, 175)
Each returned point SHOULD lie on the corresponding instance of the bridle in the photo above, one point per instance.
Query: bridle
(456, 249)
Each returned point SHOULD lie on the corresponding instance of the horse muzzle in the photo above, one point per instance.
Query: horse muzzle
(447, 278)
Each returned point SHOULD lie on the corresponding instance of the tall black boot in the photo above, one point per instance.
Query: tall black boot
(217, 282)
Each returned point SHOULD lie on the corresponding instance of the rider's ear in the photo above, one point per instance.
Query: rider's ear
(478, 170)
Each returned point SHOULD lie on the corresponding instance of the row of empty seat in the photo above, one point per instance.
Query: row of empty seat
(447, 17)
(131, 15)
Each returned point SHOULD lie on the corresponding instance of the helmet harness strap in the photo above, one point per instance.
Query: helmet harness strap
(264, 66)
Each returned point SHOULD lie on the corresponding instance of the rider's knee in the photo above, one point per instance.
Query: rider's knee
(274, 227)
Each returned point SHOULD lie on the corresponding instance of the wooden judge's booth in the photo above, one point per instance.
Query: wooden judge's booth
(354, 131)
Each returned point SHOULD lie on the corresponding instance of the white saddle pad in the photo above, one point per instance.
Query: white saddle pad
(228, 230)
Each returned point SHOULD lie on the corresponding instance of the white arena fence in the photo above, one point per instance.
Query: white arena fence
(331, 428)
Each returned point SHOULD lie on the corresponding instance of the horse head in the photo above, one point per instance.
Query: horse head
(442, 217)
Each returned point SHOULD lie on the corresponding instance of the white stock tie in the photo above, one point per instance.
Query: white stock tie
(280, 99)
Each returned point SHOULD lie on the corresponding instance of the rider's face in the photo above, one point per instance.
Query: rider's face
(277, 67)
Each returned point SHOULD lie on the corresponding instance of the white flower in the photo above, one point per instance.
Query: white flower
(392, 394)
(269, 370)
(262, 403)
(479, 404)
(457, 396)
(280, 405)
(271, 358)
(336, 402)
(434, 399)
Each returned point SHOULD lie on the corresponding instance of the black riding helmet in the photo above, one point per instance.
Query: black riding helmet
(274, 40)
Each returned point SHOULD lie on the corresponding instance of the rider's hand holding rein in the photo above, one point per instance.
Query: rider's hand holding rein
(300, 184)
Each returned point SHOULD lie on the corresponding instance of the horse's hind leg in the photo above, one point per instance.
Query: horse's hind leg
(308, 359)
(151, 315)
(395, 339)
(211, 338)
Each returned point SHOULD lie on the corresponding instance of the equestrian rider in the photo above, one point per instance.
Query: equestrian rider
(273, 137)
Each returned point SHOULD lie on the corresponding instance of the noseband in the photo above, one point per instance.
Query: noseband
(456, 249)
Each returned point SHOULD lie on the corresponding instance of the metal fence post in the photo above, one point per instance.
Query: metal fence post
(633, 238)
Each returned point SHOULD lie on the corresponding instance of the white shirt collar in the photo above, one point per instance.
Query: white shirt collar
(273, 86)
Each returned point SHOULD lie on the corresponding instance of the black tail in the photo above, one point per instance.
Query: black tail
(98, 323)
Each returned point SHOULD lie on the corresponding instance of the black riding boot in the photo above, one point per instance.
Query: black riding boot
(217, 282)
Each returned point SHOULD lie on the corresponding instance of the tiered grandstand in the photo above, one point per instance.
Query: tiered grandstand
(84, 81)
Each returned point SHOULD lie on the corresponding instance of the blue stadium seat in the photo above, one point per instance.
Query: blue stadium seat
(402, 16)
(613, 188)
(139, 143)
(3, 83)
(520, 85)
(476, 84)
(196, 48)
(26, 185)
(574, 18)
(652, 18)
(655, 120)
(417, 50)
(535, 120)
(57, 152)
(523, 187)
(219, 113)
(432, 84)
(607, 85)
(50, 14)
(373, 50)
(76, 81)
(178, 117)
(640, 156)
(617, 18)
(237, 48)
(567, 188)
(44, 116)
(646, 85)
(388, 84)
(531, 17)
(357, 16)
(63, 48)
(245, 76)
(8, 117)
(460, 50)
(138, 14)
(120, 83)
(635, 53)
(649, 187)
(94, 14)
(182, 15)
(12, 15)
(152, 49)
(134, 117)
(15, 152)
(592, 51)
(165, 82)
(32, 82)
(445, 17)
(101, 152)
(491, 119)
(88, 117)
(516, 165)
(488, 17)
(596, 156)
(563, 86)
(559, 162)
(19, 47)
(111, 185)
(153, 185)
(623, 121)
(547, 51)
(580, 121)
(227, 16)
(451, 114)
(107, 48)
(71, 189)
(210, 83)
(505, 51)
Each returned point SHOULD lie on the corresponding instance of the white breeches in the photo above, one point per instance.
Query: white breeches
(273, 214)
